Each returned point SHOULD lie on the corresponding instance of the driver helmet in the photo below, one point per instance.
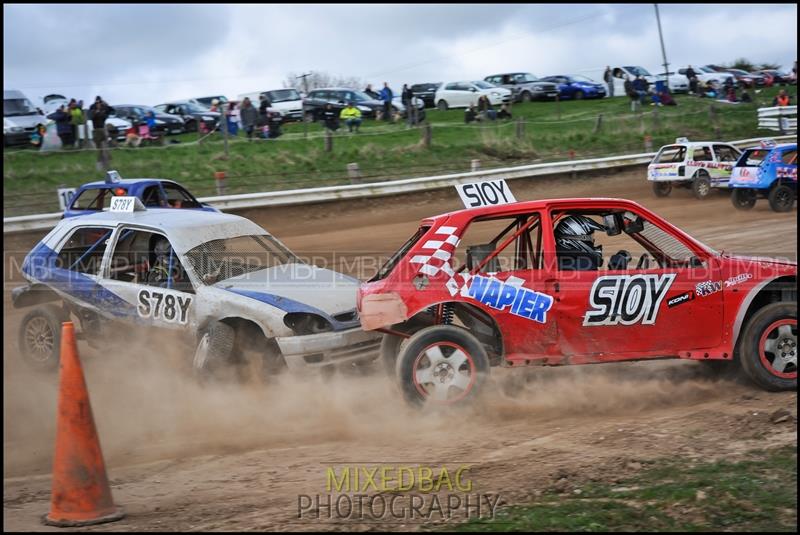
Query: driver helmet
(575, 244)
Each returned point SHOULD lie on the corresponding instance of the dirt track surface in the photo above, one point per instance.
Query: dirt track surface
(184, 457)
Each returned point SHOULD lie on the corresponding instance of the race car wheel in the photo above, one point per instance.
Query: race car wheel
(390, 348)
(526, 96)
(215, 349)
(662, 189)
(40, 336)
(743, 198)
(701, 185)
(781, 198)
(442, 105)
(442, 365)
(768, 347)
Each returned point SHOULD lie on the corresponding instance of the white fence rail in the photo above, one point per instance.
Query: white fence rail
(780, 118)
(245, 201)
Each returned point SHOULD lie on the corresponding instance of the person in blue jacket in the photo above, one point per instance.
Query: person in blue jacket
(386, 97)
(63, 126)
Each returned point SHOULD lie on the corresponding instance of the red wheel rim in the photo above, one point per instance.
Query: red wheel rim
(777, 348)
(444, 372)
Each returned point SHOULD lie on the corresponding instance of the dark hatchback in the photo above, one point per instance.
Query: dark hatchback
(166, 123)
(426, 92)
(317, 99)
(192, 114)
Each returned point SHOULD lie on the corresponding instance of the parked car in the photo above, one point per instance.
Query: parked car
(537, 283)
(768, 171)
(699, 165)
(207, 101)
(192, 114)
(165, 123)
(524, 86)
(677, 83)
(233, 292)
(772, 77)
(747, 79)
(465, 94)
(427, 92)
(577, 86)
(153, 192)
(20, 118)
(287, 102)
(338, 97)
(706, 75)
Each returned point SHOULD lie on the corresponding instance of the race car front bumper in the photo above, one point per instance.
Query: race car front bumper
(323, 349)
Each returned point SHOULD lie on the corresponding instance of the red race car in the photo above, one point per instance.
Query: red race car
(571, 281)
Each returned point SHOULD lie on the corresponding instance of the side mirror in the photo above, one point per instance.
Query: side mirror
(634, 226)
(611, 222)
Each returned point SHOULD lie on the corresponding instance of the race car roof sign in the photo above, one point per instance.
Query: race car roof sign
(488, 193)
(126, 204)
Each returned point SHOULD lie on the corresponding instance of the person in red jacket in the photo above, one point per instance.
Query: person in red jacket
(782, 99)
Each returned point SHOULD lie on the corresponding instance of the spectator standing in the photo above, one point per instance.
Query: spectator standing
(408, 101)
(63, 126)
(263, 107)
(632, 94)
(351, 117)
(330, 118)
(249, 116)
(692, 76)
(386, 97)
(99, 111)
(371, 92)
(76, 117)
(231, 119)
(608, 78)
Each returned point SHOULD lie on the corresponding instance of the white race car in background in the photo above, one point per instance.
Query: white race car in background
(221, 279)
(699, 165)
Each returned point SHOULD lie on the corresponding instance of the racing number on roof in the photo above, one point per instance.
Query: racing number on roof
(163, 306)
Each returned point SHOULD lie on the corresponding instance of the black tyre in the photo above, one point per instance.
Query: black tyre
(214, 351)
(390, 348)
(781, 198)
(526, 96)
(768, 347)
(743, 198)
(442, 105)
(578, 95)
(662, 189)
(701, 185)
(40, 336)
(442, 365)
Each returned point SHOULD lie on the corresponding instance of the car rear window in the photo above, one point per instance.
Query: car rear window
(671, 154)
(96, 198)
(754, 158)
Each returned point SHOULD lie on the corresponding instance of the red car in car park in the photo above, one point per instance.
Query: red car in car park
(571, 281)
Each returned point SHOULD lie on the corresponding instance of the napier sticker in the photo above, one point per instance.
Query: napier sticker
(680, 299)
(511, 295)
(163, 306)
(627, 299)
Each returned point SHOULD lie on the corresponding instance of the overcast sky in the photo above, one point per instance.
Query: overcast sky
(148, 54)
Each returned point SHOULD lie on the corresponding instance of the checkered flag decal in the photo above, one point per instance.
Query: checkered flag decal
(437, 264)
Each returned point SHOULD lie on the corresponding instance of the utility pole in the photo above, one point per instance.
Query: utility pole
(305, 93)
(663, 50)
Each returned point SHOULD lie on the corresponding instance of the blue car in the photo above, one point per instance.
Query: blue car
(577, 87)
(153, 192)
(768, 171)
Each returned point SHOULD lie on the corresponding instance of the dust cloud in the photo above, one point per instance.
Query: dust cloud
(148, 406)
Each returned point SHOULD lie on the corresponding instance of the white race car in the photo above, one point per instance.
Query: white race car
(222, 279)
(700, 165)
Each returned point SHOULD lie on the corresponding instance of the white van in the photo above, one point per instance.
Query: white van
(287, 101)
(20, 118)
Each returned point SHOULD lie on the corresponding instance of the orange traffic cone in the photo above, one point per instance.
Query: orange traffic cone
(81, 494)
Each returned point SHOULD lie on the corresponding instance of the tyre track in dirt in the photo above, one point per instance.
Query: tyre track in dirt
(181, 457)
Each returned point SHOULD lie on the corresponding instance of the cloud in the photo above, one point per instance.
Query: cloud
(152, 53)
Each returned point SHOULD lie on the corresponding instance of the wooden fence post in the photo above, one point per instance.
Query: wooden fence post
(328, 141)
(427, 134)
(353, 172)
(599, 124)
